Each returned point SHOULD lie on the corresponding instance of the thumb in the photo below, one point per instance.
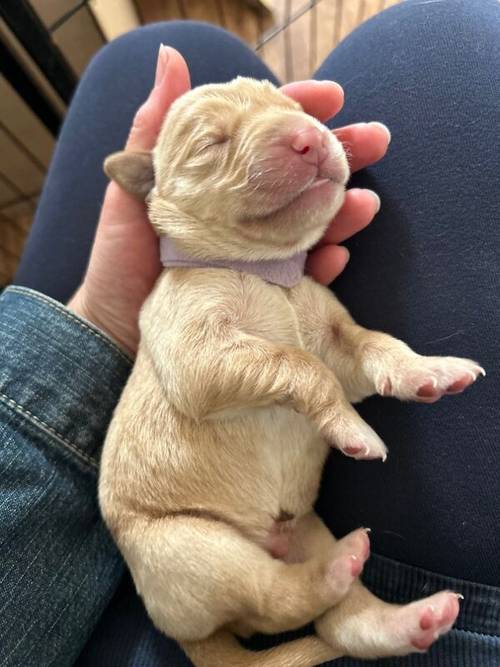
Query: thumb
(171, 81)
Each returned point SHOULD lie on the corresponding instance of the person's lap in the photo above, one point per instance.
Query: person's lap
(424, 271)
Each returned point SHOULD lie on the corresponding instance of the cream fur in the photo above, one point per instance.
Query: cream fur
(238, 390)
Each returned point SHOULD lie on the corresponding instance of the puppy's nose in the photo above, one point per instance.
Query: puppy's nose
(311, 144)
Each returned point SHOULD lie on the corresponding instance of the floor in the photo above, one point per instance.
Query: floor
(292, 40)
(296, 52)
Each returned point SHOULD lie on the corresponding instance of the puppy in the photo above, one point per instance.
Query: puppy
(244, 378)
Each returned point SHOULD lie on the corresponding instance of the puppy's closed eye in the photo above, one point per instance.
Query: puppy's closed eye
(219, 140)
(213, 143)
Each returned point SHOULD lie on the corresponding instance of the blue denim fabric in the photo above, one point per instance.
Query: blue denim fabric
(474, 641)
(60, 379)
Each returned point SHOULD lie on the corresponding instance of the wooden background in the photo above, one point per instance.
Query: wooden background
(26, 145)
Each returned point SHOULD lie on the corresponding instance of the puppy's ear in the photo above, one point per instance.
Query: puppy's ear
(132, 170)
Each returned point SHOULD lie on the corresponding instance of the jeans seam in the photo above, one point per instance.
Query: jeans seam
(60, 308)
(38, 423)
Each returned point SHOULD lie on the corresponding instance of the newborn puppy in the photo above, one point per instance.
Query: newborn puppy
(244, 378)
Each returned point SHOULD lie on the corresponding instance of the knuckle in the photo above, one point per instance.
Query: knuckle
(140, 122)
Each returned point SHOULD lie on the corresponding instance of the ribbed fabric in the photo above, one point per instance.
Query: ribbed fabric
(475, 639)
(400, 583)
(286, 272)
(457, 649)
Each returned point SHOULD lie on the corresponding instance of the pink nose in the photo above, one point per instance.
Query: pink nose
(311, 144)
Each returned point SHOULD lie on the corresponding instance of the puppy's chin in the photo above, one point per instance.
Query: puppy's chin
(298, 225)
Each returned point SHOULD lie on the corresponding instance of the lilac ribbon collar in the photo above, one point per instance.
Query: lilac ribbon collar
(284, 272)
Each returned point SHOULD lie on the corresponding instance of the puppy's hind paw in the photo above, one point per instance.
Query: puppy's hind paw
(349, 557)
(426, 620)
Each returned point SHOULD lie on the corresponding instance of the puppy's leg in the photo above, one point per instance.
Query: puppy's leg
(392, 368)
(197, 575)
(363, 626)
(222, 649)
(233, 370)
(311, 537)
(370, 362)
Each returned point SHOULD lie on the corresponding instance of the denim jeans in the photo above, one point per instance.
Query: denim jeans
(425, 271)
(60, 379)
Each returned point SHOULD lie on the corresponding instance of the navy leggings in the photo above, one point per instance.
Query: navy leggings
(426, 270)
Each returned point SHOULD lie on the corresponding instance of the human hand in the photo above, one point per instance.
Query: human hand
(365, 143)
(124, 262)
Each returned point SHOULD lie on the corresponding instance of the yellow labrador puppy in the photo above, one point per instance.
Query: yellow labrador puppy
(244, 378)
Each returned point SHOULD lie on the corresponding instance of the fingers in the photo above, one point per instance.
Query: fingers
(328, 260)
(358, 210)
(326, 263)
(365, 143)
(321, 99)
(171, 81)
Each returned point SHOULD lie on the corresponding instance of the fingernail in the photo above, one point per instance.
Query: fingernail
(347, 254)
(376, 197)
(383, 127)
(330, 82)
(161, 64)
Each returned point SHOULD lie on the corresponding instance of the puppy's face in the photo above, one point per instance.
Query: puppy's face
(240, 171)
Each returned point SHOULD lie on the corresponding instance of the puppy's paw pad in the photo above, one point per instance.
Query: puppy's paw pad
(365, 452)
(461, 384)
(345, 430)
(360, 451)
(361, 443)
(357, 544)
(429, 389)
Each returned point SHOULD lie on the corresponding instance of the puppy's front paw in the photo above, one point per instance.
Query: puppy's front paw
(346, 431)
(427, 379)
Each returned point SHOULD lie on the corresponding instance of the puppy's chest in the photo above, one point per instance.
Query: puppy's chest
(272, 316)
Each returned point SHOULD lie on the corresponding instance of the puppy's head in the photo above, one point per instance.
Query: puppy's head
(239, 172)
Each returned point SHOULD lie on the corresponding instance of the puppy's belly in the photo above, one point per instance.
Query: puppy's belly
(291, 454)
(268, 468)
(254, 472)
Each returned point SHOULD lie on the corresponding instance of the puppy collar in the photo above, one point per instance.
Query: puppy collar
(284, 272)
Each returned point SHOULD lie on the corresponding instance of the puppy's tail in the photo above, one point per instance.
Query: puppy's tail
(222, 649)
